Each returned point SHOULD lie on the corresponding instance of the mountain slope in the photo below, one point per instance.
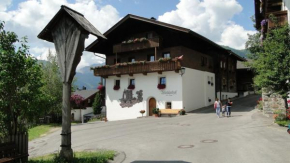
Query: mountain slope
(243, 53)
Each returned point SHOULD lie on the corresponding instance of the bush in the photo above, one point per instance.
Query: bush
(155, 111)
(259, 105)
(182, 112)
(97, 104)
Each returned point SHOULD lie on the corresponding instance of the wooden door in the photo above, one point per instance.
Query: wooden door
(152, 104)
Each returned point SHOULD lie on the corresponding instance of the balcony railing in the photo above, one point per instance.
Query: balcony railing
(144, 68)
(125, 47)
(282, 19)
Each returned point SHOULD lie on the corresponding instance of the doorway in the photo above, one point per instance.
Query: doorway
(152, 104)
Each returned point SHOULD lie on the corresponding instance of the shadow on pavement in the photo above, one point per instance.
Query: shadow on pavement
(160, 161)
(243, 104)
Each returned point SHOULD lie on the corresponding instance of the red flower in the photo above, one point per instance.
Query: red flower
(100, 87)
(131, 87)
(116, 87)
(161, 86)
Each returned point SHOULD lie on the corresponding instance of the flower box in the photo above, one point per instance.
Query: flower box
(116, 87)
(161, 86)
(131, 87)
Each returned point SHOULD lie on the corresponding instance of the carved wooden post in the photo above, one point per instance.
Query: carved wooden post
(68, 30)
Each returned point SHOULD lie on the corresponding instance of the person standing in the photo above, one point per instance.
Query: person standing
(217, 107)
(229, 105)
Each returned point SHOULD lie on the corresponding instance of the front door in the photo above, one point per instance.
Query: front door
(152, 104)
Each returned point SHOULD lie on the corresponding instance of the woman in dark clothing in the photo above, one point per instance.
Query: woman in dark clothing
(229, 105)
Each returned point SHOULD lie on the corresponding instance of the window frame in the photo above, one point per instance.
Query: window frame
(166, 53)
(160, 80)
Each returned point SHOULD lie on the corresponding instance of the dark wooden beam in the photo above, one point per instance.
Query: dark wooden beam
(159, 72)
(119, 75)
(130, 74)
(177, 71)
(144, 73)
(104, 77)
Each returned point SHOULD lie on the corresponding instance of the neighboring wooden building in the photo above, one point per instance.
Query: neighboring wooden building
(89, 96)
(144, 53)
(265, 8)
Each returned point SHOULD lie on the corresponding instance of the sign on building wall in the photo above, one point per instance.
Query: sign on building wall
(128, 100)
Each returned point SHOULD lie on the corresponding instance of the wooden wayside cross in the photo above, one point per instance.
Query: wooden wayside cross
(68, 30)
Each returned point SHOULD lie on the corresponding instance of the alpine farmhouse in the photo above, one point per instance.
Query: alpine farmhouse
(151, 64)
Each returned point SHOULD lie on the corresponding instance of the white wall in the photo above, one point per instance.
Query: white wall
(287, 7)
(148, 83)
(78, 113)
(196, 90)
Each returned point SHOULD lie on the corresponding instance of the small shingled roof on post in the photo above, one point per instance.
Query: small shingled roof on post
(68, 30)
(45, 34)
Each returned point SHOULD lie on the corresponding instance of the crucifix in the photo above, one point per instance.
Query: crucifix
(68, 30)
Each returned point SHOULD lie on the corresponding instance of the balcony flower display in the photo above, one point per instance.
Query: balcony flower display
(131, 87)
(99, 67)
(161, 86)
(135, 40)
(116, 87)
(164, 59)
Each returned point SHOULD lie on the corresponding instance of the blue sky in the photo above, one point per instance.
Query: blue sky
(226, 22)
(154, 8)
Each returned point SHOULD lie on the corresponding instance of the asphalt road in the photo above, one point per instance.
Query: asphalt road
(199, 137)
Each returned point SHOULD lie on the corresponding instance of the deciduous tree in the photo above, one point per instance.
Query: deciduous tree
(20, 82)
(271, 60)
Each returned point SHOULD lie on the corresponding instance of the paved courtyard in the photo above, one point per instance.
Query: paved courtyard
(200, 137)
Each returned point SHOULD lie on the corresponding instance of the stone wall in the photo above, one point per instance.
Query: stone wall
(272, 102)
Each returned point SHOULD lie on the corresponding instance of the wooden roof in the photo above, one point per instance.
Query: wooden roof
(138, 23)
(79, 18)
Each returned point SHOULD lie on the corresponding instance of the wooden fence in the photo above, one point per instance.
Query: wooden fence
(21, 142)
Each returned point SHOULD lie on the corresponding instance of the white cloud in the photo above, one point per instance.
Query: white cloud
(31, 16)
(4, 4)
(235, 36)
(210, 18)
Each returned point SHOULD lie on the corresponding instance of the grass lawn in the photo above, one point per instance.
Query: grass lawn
(37, 131)
(79, 157)
(283, 122)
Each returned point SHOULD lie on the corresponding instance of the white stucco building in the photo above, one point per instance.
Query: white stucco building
(150, 64)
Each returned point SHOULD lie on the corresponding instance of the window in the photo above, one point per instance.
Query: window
(132, 82)
(203, 61)
(162, 80)
(168, 105)
(117, 83)
(118, 60)
(221, 64)
(89, 100)
(211, 79)
(151, 58)
(149, 35)
(166, 55)
(131, 59)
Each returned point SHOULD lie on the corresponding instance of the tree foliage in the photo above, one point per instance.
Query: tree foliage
(97, 104)
(271, 60)
(20, 82)
(52, 88)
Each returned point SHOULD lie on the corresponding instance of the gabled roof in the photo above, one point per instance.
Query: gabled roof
(159, 24)
(85, 93)
(79, 18)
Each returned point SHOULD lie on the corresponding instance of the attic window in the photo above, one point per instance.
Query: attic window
(149, 35)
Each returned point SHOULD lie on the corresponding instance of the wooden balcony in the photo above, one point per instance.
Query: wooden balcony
(282, 19)
(130, 69)
(125, 47)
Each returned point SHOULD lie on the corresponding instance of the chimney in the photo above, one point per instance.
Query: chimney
(153, 18)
